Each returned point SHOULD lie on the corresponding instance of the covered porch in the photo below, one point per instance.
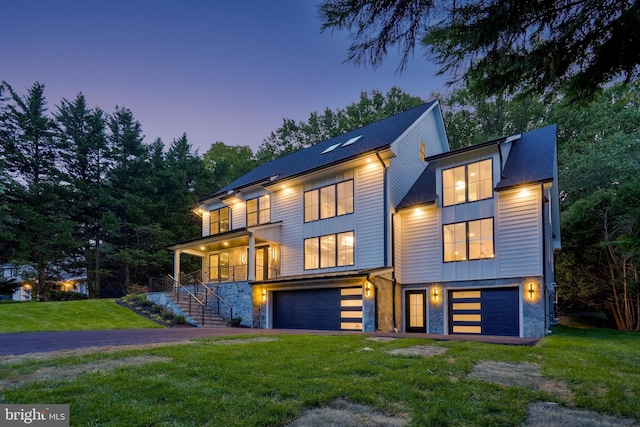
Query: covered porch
(233, 256)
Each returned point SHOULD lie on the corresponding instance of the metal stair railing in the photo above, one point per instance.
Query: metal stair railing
(194, 302)
(211, 297)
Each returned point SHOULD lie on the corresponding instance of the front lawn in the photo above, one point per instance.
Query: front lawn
(272, 380)
(69, 316)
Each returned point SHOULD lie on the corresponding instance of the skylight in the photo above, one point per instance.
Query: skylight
(352, 140)
(330, 149)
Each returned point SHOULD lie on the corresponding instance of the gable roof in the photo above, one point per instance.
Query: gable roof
(532, 159)
(370, 138)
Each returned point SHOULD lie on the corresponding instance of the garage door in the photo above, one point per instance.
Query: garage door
(485, 312)
(332, 309)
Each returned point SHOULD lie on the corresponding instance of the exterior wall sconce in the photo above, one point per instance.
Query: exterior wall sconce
(367, 288)
(243, 258)
(531, 290)
(273, 253)
(264, 294)
(435, 294)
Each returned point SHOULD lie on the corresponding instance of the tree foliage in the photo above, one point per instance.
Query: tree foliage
(501, 46)
(371, 107)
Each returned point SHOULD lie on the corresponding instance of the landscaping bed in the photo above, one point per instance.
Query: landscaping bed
(139, 304)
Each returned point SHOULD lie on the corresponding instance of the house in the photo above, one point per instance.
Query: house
(24, 290)
(384, 228)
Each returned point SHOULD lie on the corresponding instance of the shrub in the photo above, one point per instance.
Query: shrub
(236, 321)
(166, 314)
(66, 296)
(179, 319)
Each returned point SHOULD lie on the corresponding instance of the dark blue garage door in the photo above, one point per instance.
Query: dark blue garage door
(307, 309)
(485, 311)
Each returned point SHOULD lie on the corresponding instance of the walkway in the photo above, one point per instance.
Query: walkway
(39, 342)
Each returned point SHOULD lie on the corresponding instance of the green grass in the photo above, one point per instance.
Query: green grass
(69, 316)
(270, 383)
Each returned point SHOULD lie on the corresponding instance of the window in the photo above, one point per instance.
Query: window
(330, 250)
(467, 183)
(423, 150)
(327, 202)
(259, 210)
(219, 220)
(468, 240)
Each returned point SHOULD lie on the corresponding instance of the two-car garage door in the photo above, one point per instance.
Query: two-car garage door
(331, 309)
(493, 311)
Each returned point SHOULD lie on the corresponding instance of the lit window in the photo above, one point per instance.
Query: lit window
(329, 251)
(329, 201)
(471, 240)
(455, 242)
(219, 220)
(481, 239)
(259, 210)
(467, 183)
(423, 150)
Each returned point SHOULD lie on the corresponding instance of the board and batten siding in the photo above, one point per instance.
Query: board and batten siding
(287, 206)
(519, 232)
(369, 214)
(420, 245)
(407, 166)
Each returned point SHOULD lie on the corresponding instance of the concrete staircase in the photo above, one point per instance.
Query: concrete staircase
(211, 319)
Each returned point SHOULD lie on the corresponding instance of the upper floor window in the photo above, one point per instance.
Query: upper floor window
(219, 220)
(468, 240)
(329, 201)
(328, 251)
(259, 210)
(423, 150)
(467, 183)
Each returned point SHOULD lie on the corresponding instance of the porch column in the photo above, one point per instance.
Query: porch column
(251, 262)
(176, 264)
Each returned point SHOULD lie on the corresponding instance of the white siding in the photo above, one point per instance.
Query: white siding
(369, 214)
(420, 246)
(407, 166)
(286, 206)
(519, 232)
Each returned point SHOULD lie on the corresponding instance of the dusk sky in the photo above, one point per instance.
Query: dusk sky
(225, 71)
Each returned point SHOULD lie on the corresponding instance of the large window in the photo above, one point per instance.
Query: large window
(328, 251)
(327, 202)
(219, 220)
(467, 183)
(468, 240)
(259, 210)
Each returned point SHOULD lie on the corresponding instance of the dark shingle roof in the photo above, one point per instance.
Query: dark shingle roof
(375, 136)
(423, 191)
(531, 159)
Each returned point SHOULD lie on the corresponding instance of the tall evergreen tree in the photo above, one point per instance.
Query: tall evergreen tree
(83, 152)
(43, 228)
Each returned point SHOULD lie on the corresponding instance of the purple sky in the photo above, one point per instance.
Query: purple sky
(225, 71)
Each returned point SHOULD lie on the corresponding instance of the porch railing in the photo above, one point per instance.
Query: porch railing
(196, 295)
(232, 273)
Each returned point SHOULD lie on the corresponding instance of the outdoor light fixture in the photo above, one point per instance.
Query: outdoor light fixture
(367, 288)
(264, 294)
(435, 294)
(273, 253)
(243, 258)
(531, 290)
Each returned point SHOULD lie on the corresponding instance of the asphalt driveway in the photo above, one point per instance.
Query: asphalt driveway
(40, 342)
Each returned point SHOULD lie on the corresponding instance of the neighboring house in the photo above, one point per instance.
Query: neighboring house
(23, 292)
(371, 230)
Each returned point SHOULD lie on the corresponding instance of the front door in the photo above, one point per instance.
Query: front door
(262, 263)
(416, 308)
(219, 267)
